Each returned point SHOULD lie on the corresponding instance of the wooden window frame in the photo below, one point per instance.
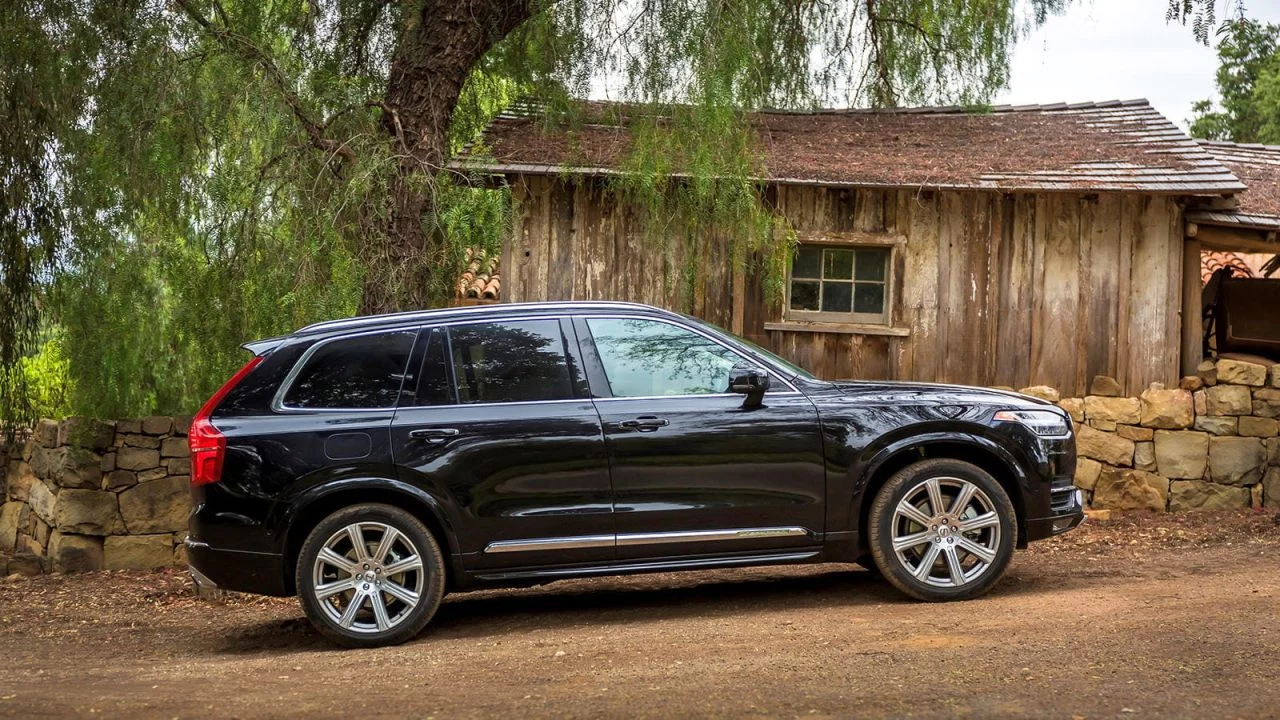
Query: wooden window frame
(868, 323)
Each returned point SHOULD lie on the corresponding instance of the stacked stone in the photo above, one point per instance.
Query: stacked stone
(85, 494)
(1211, 443)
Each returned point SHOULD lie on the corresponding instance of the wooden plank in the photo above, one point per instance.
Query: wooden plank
(1016, 277)
(1100, 240)
(850, 237)
(1129, 224)
(1192, 328)
(920, 282)
(1054, 342)
(1148, 290)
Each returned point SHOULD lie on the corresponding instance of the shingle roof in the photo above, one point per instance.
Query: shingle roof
(1104, 146)
(1259, 167)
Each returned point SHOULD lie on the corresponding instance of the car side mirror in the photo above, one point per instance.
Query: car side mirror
(750, 381)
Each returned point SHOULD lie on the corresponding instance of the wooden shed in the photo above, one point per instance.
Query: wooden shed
(1022, 246)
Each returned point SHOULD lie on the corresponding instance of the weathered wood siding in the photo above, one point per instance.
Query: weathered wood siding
(993, 289)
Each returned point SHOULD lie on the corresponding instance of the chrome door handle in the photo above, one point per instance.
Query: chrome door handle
(646, 423)
(435, 436)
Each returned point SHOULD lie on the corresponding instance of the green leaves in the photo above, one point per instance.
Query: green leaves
(1248, 81)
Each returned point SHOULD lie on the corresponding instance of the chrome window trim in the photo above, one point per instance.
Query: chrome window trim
(696, 331)
(633, 539)
(277, 400)
(784, 393)
(585, 401)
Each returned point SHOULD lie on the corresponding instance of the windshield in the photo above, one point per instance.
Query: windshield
(796, 370)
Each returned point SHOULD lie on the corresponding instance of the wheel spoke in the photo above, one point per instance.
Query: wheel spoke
(913, 513)
(329, 589)
(973, 548)
(329, 557)
(401, 593)
(926, 563)
(413, 562)
(909, 541)
(936, 505)
(356, 535)
(379, 611)
(963, 499)
(986, 520)
(353, 607)
(384, 546)
(953, 565)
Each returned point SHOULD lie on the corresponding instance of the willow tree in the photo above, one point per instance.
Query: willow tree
(181, 175)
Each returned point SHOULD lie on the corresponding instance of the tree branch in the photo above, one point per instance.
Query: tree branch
(243, 47)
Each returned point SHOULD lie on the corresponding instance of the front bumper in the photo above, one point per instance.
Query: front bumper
(236, 570)
(1068, 513)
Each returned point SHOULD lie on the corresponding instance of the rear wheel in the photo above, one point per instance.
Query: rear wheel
(942, 530)
(370, 575)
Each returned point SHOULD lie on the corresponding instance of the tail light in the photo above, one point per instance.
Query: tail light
(208, 445)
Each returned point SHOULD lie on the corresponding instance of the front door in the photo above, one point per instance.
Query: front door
(502, 429)
(694, 471)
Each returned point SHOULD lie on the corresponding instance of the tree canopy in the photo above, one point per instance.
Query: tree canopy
(1248, 81)
(180, 176)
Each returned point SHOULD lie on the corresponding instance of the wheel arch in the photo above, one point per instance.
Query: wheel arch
(974, 449)
(310, 510)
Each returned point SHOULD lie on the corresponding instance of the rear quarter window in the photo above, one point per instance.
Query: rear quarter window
(359, 372)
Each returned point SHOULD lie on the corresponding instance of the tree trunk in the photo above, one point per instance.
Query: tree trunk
(440, 42)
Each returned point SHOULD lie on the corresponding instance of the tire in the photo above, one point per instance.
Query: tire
(381, 578)
(947, 561)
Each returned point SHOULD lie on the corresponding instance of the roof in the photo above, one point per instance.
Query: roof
(481, 280)
(1259, 167)
(1104, 146)
(1211, 262)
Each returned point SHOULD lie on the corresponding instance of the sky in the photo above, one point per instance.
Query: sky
(1118, 50)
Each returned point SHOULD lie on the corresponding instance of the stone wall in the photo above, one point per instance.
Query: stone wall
(88, 495)
(1211, 443)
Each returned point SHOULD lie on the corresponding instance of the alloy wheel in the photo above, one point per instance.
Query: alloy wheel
(946, 532)
(368, 577)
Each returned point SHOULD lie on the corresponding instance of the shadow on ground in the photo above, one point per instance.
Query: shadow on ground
(641, 599)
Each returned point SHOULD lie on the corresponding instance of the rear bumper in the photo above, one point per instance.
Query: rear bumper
(1068, 514)
(236, 570)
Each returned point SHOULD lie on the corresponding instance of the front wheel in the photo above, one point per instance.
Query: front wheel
(370, 575)
(942, 530)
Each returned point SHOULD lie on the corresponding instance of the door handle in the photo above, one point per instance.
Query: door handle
(436, 436)
(646, 423)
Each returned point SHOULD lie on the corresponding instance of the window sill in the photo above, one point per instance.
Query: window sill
(831, 327)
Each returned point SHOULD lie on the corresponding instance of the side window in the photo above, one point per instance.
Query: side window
(647, 358)
(434, 387)
(357, 372)
(516, 361)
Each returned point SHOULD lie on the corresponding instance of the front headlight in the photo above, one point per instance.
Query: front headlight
(1045, 423)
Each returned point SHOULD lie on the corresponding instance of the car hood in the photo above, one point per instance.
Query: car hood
(917, 393)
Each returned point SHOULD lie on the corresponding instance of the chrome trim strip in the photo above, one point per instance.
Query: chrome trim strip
(782, 393)
(561, 543)
(631, 539)
(628, 539)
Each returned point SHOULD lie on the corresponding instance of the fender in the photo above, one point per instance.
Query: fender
(364, 486)
(885, 449)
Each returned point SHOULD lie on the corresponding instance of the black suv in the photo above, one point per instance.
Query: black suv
(371, 464)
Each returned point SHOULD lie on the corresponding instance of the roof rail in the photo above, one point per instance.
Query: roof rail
(439, 313)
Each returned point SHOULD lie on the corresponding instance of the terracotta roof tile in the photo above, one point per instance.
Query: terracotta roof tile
(481, 280)
(1211, 262)
(1116, 146)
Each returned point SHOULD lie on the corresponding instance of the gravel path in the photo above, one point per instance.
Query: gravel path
(1137, 617)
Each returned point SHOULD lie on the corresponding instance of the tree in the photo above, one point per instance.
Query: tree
(234, 168)
(1249, 62)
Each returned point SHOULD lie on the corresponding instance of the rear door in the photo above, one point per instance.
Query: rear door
(502, 430)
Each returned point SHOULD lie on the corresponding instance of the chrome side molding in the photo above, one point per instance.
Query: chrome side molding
(628, 539)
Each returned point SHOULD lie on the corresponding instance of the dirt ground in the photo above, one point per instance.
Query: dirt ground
(1136, 617)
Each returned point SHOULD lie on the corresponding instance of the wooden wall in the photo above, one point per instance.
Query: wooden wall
(989, 289)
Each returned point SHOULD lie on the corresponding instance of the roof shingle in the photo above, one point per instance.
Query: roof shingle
(1259, 167)
(1106, 146)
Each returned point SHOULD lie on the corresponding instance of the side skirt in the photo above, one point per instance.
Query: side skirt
(650, 566)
